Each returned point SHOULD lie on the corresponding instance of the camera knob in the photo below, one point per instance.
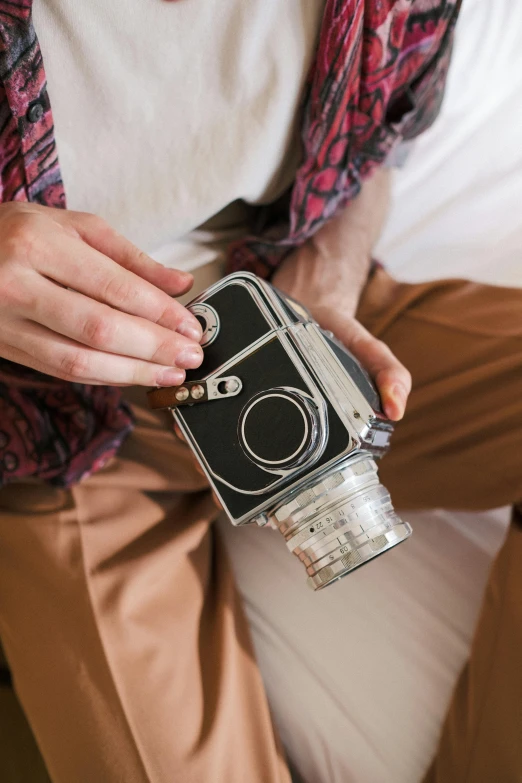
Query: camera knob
(209, 321)
(278, 429)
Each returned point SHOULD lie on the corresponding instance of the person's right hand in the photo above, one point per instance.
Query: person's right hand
(82, 303)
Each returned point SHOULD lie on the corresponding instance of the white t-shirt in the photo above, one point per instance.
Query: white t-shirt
(166, 113)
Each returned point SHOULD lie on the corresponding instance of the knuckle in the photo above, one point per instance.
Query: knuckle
(163, 314)
(141, 257)
(94, 225)
(120, 291)
(96, 331)
(74, 365)
(11, 292)
(141, 374)
(19, 237)
(166, 351)
(91, 220)
(168, 313)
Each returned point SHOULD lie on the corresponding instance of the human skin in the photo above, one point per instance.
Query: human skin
(80, 302)
(328, 274)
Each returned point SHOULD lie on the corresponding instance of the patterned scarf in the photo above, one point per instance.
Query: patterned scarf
(378, 77)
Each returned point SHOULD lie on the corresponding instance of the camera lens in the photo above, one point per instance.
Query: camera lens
(340, 521)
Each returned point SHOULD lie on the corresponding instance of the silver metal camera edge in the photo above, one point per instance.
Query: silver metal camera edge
(296, 338)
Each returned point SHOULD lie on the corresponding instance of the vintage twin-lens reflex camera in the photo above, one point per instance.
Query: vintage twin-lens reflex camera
(286, 425)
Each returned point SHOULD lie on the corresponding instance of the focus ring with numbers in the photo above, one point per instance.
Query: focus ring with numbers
(341, 521)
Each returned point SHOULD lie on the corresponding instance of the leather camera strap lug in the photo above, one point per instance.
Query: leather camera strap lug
(194, 392)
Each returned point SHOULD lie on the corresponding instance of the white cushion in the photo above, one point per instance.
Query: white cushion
(359, 675)
(457, 200)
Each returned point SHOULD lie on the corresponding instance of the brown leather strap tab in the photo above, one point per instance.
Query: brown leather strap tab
(162, 398)
(174, 396)
(194, 392)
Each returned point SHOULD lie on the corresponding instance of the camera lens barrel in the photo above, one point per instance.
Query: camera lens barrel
(341, 521)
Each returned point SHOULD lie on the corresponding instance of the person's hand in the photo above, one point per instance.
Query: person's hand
(330, 290)
(80, 302)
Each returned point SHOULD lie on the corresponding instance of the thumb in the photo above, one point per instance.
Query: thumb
(102, 237)
(391, 377)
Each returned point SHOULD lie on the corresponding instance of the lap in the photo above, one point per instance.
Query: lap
(127, 599)
(123, 629)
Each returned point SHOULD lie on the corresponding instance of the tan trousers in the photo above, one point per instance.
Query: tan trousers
(118, 613)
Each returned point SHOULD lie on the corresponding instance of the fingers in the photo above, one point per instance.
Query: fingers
(76, 265)
(50, 242)
(392, 378)
(100, 327)
(51, 353)
(99, 235)
(76, 313)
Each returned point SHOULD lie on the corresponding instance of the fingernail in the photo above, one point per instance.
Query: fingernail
(191, 330)
(170, 377)
(190, 358)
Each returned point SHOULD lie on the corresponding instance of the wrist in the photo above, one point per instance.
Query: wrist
(346, 265)
(320, 279)
(334, 245)
(332, 267)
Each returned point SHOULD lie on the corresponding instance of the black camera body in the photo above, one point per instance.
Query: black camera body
(304, 403)
(286, 425)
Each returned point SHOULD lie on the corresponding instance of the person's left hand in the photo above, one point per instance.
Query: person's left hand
(330, 290)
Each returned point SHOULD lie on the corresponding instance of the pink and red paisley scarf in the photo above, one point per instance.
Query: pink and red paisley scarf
(378, 77)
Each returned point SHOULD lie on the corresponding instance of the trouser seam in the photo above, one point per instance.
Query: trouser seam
(493, 655)
(101, 640)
